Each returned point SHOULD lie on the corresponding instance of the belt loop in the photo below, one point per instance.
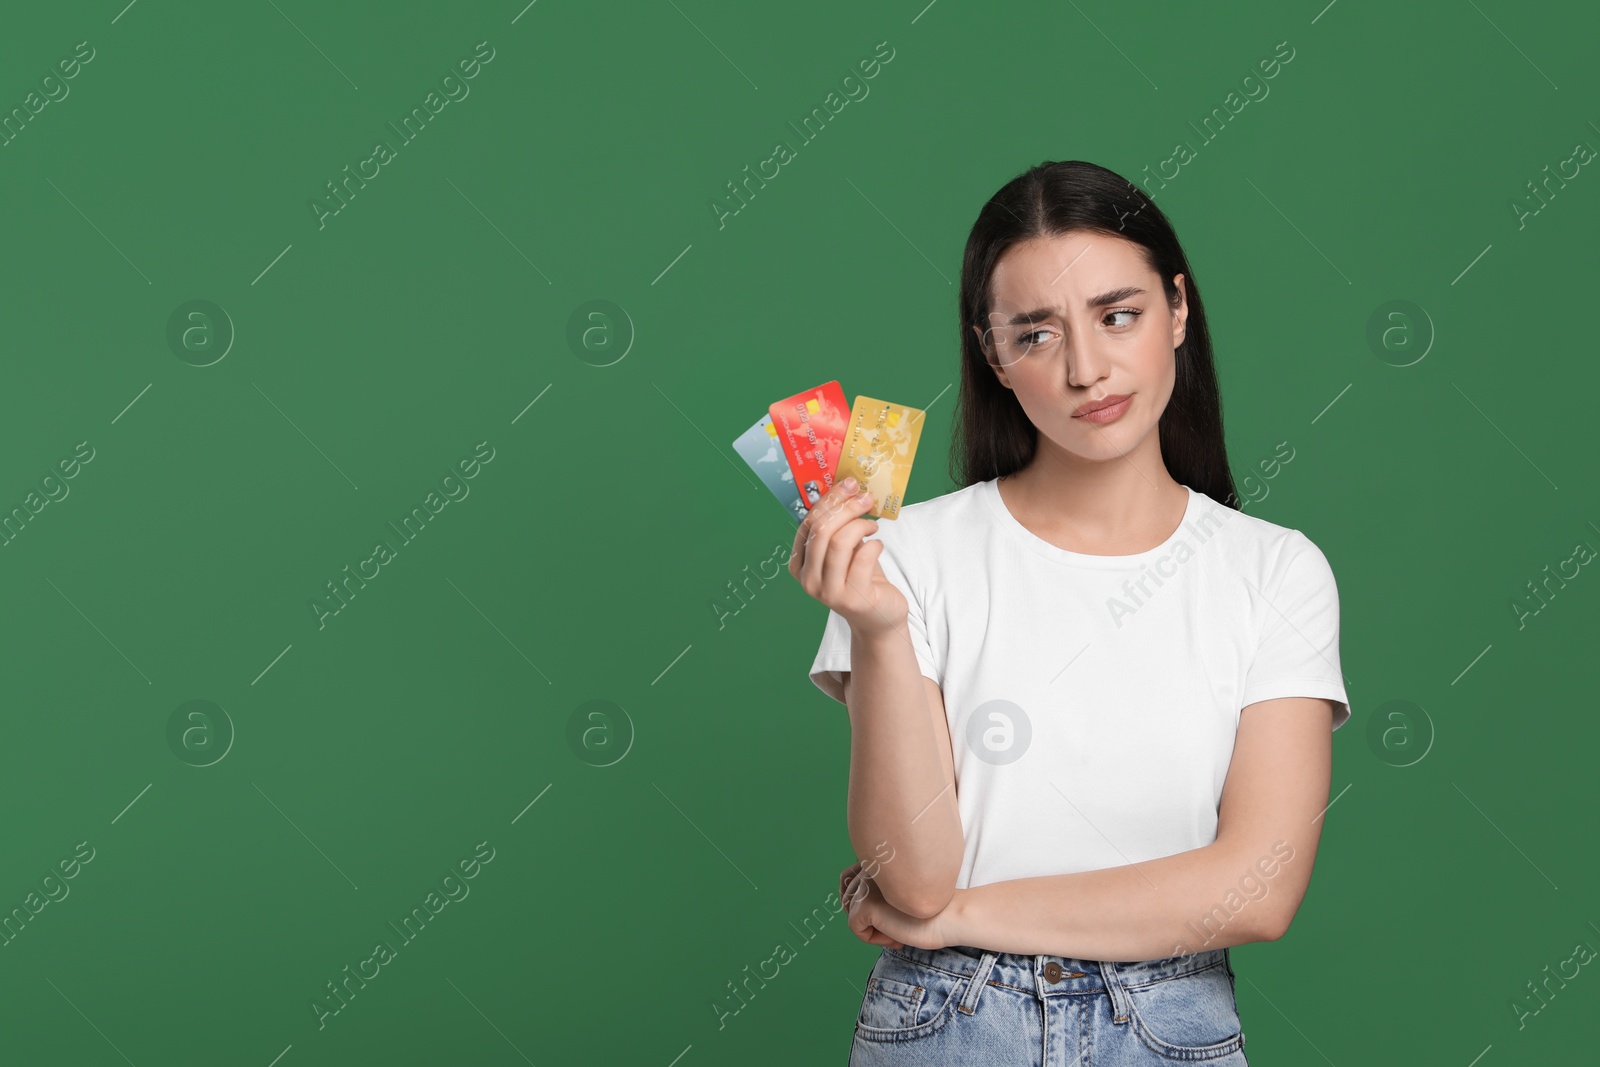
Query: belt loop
(980, 976)
(1114, 988)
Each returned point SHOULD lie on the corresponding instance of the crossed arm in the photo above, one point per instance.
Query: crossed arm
(1245, 886)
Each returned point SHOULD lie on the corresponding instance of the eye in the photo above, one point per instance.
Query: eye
(1135, 312)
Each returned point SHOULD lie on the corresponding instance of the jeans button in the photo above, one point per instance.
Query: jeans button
(1053, 971)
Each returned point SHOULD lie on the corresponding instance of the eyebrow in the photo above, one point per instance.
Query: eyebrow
(1113, 296)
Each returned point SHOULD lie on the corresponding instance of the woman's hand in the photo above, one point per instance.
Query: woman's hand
(834, 563)
(877, 922)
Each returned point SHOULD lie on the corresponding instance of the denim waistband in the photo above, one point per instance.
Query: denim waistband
(1073, 976)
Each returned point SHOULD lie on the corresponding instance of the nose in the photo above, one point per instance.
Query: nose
(1086, 363)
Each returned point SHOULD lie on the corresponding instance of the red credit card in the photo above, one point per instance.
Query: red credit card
(810, 428)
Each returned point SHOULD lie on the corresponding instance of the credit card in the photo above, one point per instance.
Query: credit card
(811, 428)
(878, 450)
(758, 446)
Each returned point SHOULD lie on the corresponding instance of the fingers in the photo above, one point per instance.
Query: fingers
(873, 936)
(807, 530)
(819, 526)
(855, 892)
(823, 508)
(820, 529)
(835, 561)
(865, 930)
(844, 880)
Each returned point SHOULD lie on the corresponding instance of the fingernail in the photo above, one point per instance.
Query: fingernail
(850, 484)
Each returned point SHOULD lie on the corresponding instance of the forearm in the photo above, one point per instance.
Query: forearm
(902, 801)
(1170, 906)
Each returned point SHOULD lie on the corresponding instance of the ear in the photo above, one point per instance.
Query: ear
(988, 356)
(1180, 314)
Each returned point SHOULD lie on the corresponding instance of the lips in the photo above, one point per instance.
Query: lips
(1095, 405)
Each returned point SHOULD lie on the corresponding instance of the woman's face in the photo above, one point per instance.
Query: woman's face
(1076, 319)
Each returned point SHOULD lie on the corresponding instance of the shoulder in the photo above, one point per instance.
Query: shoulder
(1258, 547)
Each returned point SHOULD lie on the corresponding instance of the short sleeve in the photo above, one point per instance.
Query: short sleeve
(897, 560)
(1297, 654)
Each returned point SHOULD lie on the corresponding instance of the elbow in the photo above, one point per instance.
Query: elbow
(923, 900)
(930, 904)
(1273, 925)
(1275, 920)
(920, 885)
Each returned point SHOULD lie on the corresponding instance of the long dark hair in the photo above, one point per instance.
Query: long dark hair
(993, 436)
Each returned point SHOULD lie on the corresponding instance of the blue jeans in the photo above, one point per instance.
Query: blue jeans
(964, 1005)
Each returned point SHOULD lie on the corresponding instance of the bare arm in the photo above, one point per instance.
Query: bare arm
(902, 813)
(903, 817)
(1245, 886)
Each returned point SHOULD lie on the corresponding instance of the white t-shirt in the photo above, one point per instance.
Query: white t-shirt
(1093, 700)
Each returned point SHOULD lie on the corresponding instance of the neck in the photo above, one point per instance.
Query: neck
(1116, 506)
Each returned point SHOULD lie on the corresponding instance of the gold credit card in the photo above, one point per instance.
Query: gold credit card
(879, 445)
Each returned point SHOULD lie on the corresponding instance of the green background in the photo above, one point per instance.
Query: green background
(365, 757)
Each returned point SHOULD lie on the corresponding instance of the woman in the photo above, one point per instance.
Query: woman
(1115, 762)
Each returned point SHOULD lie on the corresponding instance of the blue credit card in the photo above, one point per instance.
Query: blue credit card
(758, 446)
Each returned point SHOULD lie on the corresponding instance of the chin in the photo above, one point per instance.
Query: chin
(1106, 442)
